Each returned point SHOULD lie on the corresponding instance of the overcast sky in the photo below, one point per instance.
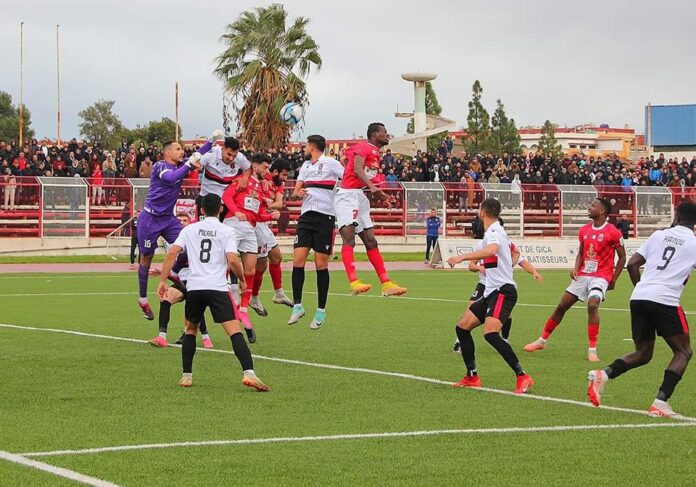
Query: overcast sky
(570, 62)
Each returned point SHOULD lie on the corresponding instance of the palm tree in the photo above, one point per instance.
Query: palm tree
(263, 65)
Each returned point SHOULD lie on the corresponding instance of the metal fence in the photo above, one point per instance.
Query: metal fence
(65, 207)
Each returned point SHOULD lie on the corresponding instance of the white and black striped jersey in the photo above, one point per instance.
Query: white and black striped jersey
(319, 179)
(216, 174)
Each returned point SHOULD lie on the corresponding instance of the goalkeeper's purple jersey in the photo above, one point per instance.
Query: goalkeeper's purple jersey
(165, 185)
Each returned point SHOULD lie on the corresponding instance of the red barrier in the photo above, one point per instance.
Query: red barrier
(461, 205)
(623, 200)
(109, 204)
(543, 213)
(19, 207)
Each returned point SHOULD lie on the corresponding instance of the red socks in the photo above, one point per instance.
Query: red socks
(548, 329)
(246, 295)
(349, 262)
(258, 281)
(276, 275)
(378, 263)
(592, 334)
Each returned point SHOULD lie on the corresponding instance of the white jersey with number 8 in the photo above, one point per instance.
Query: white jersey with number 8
(670, 256)
(207, 244)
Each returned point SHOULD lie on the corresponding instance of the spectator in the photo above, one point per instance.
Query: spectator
(97, 185)
(10, 187)
(146, 167)
(477, 227)
(624, 226)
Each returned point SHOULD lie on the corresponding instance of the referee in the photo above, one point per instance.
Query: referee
(212, 250)
(316, 226)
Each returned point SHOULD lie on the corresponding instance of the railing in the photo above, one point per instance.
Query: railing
(64, 207)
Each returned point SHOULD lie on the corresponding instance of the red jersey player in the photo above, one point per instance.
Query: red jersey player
(593, 275)
(353, 209)
(245, 208)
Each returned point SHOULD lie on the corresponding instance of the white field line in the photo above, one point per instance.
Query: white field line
(408, 298)
(58, 471)
(345, 369)
(360, 436)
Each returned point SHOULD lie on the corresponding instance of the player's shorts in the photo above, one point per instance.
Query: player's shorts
(265, 239)
(315, 231)
(151, 227)
(498, 304)
(478, 292)
(246, 235)
(219, 302)
(649, 318)
(584, 287)
(352, 208)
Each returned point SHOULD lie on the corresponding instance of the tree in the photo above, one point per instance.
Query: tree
(100, 124)
(547, 143)
(432, 107)
(504, 135)
(477, 138)
(161, 131)
(9, 120)
(263, 66)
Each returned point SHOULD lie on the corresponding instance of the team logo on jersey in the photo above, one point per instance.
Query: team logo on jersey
(600, 237)
(321, 166)
(590, 252)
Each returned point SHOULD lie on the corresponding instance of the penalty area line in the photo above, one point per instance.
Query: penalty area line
(346, 369)
(52, 469)
(360, 436)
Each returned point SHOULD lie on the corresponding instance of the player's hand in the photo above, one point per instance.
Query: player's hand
(195, 160)
(162, 290)
(242, 182)
(240, 216)
(301, 193)
(573, 274)
(242, 284)
(154, 272)
(611, 286)
(275, 215)
(538, 277)
(452, 261)
(216, 135)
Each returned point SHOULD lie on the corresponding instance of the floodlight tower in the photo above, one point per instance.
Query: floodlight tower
(419, 116)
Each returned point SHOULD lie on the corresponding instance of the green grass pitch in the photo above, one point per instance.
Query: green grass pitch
(63, 391)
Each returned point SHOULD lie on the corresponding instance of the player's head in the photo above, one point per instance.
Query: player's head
(183, 218)
(599, 207)
(211, 204)
(172, 151)
(279, 171)
(260, 164)
(686, 214)
(490, 209)
(316, 145)
(377, 134)
(230, 149)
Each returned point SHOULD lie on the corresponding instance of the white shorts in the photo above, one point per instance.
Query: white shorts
(352, 208)
(584, 287)
(265, 239)
(246, 235)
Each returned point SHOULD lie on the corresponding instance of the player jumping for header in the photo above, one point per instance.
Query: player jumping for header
(594, 274)
(353, 209)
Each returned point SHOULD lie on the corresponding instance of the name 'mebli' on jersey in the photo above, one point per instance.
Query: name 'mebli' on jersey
(370, 153)
(598, 249)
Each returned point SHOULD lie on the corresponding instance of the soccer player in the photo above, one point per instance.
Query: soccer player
(269, 256)
(481, 285)
(212, 250)
(157, 216)
(221, 166)
(245, 208)
(669, 257)
(353, 209)
(176, 294)
(316, 227)
(594, 274)
(499, 298)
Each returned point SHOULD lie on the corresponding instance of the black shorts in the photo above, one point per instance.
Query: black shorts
(219, 302)
(315, 231)
(649, 318)
(498, 304)
(180, 286)
(478, 292)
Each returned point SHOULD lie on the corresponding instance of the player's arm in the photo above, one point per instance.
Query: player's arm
(243, 163)
(578, 262)
(278, 202)
(228, 200)
(486, 252)
(169, 260)
(633, 267)
(530, 269)
(476, 267)
(299, 191)
(619, 267)
(359, 167)
(266, 216)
